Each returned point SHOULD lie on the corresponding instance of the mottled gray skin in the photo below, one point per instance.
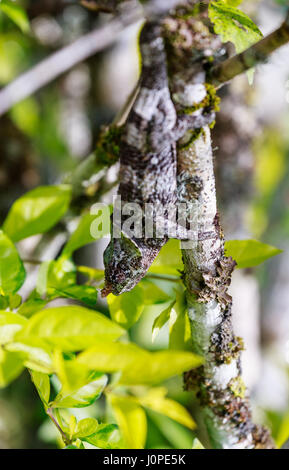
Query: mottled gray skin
(147, 162)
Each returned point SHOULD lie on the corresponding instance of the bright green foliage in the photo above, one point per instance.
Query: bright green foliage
(84, 428)
(82, 397)
(131, 419)
(42, 384)
(37, 211)
(106, 437)
(10, 324)
(161, 320)
(59, 274)
(169, 260)
(156, 400)
(12, 272)
(233, 3)
(35, 353)
(70, 328)
(197, 444)
(152, 294)
(11, 365)
(180, 331)
(249, 253)
(126, 308)
(233, 25)
(137, 365)
(85, 294)
(16, 14)
(81, 236)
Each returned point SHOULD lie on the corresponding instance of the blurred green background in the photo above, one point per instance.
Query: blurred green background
(48, 134)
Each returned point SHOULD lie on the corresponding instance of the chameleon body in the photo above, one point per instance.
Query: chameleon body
(147, 164)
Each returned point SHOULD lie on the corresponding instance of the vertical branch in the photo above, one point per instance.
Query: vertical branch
(222, 393)
(223, 398)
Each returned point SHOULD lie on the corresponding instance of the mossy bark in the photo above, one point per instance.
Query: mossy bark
(223, 398)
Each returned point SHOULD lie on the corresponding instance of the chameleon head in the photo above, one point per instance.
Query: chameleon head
(126, 263)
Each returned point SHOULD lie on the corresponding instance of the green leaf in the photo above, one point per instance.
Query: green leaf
(37, 211)
(83, 397)
(58, 274)
(81, 236)
(11, 365)
(70, 328)
(169, 260)
(16, 14)
(35, 353)
(12, 272)
(71, 374)
(85, 294)
(126, 308)
(233, 25)
(152, 294)
(249, 253)
(161, 320)
(10, 324)
(84, 428)
(33, 304)
(180, 329)
(106, 437)
(137, 365)
(92, 273)
(156, 400)
(131, 420)
(42, 384)
(233, 3)
(197, 444)
(14, 301)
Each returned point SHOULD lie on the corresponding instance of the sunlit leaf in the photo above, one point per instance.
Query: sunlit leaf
(11, 365)
(126, 308)
(249, 253)
(152, 294)
(35, 353)
(197, 444)
(42, 384)
(37, 211)
(161, 320)
(59, 274)
(10, 324)
(85, 294)
(180, 329)
(169, 260)
(84, 428)
(81, 236)
(16, 13)
(70, 328)
(157, 401)
(12, 272)
(138, 366)
(131, 420)
(233, 25)
(106, 437)
(83, 397)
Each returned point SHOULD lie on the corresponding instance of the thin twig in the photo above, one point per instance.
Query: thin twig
(257, 54)
(65, 439)
(83, 48)
(63, 60)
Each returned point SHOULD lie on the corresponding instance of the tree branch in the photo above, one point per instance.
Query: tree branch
(80, 50)
(63, 60)
(257, 54)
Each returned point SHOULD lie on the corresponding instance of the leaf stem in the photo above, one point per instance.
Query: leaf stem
(64, 436)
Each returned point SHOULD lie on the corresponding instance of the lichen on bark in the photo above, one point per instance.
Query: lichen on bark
(223, 398)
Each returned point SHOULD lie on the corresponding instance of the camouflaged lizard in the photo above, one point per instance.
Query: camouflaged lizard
(147, 162)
